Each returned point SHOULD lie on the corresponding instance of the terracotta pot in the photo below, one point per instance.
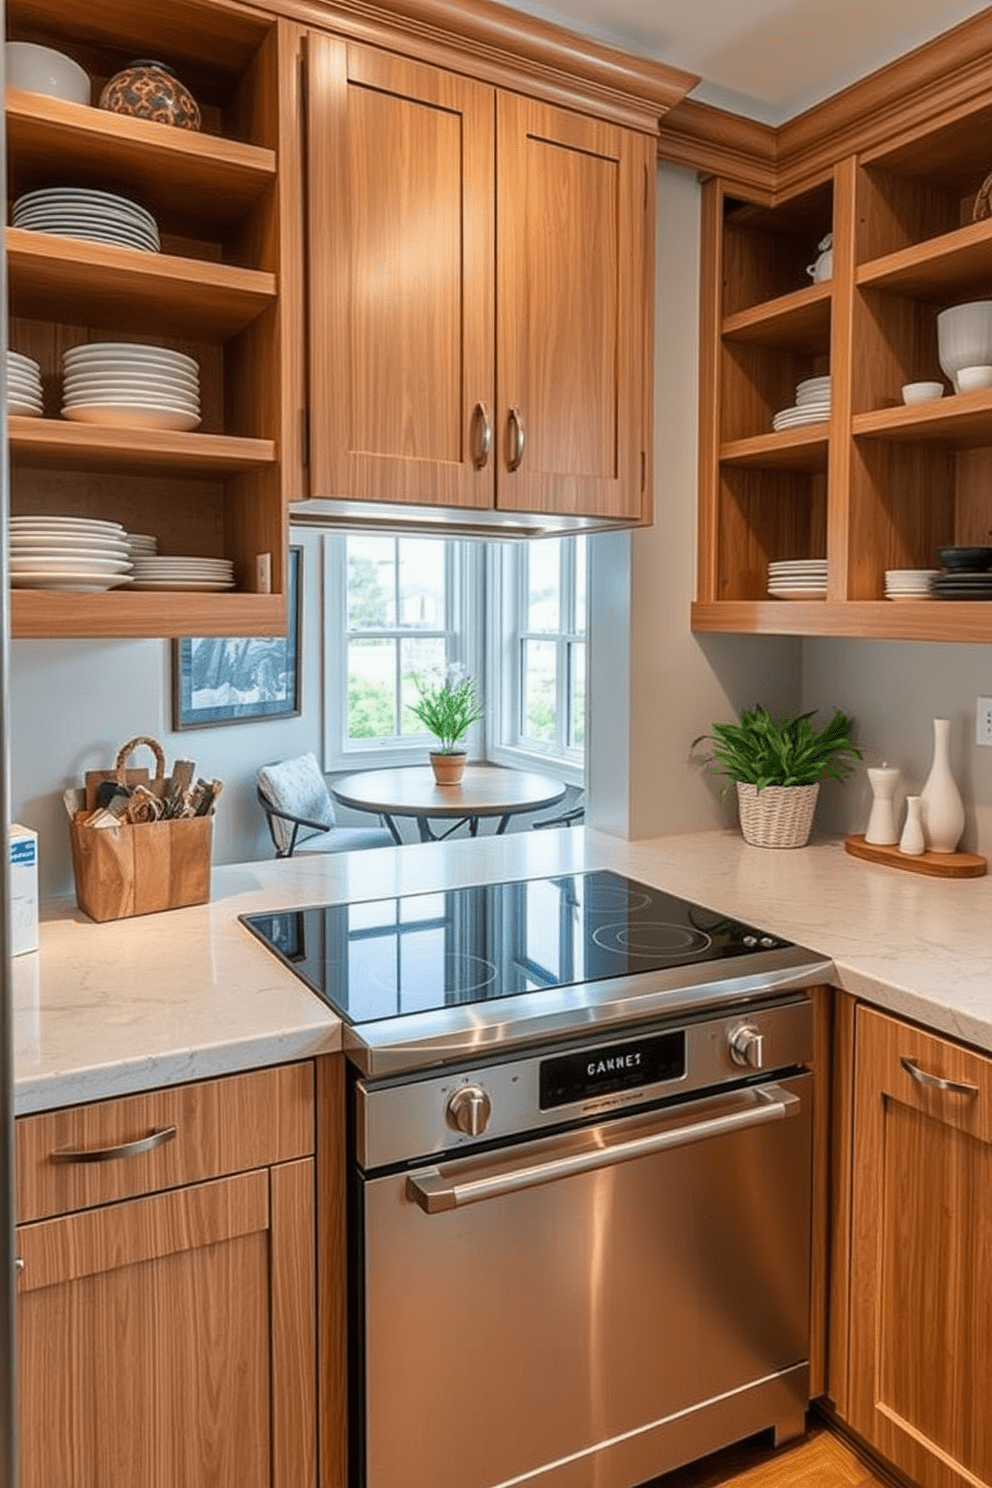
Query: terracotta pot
(146, 89)
(448, 768)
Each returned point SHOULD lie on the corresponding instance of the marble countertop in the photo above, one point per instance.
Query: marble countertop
(103, 1010)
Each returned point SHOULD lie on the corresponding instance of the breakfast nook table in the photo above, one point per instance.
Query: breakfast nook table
(484, 791)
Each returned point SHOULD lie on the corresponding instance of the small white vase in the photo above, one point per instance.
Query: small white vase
(941, 807)
(911, 842)
(881, 828)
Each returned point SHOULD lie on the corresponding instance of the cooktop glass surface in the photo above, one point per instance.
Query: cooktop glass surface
(387, 958)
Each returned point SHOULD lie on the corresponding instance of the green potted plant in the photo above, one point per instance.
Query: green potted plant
(447, 708)
(777, 768)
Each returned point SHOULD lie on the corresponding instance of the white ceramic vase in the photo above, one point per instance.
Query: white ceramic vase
(941, 807)
(881, 828)
(911, 842)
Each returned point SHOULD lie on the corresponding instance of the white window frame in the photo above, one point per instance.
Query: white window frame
(465, 605)
(507, 629)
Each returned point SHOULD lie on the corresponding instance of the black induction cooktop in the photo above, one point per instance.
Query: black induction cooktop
(388, 958)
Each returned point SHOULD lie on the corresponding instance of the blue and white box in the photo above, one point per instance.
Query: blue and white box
(23, 860)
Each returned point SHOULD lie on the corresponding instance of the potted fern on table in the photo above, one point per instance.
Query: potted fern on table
(447, 708)
(777, 768)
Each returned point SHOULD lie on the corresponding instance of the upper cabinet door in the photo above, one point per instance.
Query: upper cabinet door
(574, 312)
(402, 234)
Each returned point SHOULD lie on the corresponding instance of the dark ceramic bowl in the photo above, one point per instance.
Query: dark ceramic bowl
(966, 560)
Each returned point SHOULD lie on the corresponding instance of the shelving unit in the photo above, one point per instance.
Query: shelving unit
(224, 289)
(882, 485)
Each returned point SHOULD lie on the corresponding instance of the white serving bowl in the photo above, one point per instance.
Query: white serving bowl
(964, 337)
(971, 378)
(40, 69)
(922, 392)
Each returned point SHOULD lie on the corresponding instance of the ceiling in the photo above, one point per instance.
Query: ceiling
(768, 59)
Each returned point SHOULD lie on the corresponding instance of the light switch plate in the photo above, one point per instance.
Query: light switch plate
(263, 573)
(983, 721)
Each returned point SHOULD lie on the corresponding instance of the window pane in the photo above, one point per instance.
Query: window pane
(418, 657)
(580, 585)
(540, 689)
(544, 585)
(371, 583)
(577, 694)
(422, 582)
(371, 689)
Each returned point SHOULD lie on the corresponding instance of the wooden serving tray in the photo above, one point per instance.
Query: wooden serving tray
(937, 865)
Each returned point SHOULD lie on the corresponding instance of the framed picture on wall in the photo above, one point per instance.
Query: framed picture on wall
(241, 679)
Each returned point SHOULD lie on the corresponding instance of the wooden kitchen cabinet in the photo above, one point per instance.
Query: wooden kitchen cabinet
(481, 289)
(224, 289)
(918, 1367)
(166, 1299)
(881, 485)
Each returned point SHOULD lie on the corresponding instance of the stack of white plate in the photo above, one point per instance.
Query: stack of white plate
(78, 554)
(23, 386)
(142, 544)
(97, 216)
(208, 574)
(908, 583)
(812, 405)
(798, 578)
(131, 386)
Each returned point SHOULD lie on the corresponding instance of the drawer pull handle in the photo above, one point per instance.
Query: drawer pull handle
(484, 442)
(518, 439)
(954, 1087)
(154, 1139)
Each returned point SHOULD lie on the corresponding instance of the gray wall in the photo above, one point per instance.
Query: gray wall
(653, 685)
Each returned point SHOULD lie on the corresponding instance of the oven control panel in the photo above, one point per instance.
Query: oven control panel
(402, 1117)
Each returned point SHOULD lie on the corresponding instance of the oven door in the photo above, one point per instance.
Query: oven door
(594, 1307)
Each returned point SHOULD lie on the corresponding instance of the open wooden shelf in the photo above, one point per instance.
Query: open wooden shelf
(799, 321)
(959, 421)
(118, 288)
(956, 265)
(200, 182)
(42, 613)
(804, 448)
(51, 444)
(903, 620)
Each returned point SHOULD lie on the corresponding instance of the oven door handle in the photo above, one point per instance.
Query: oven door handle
(434, 1194)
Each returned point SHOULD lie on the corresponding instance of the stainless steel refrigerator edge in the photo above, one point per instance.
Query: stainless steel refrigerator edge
(8, 1335)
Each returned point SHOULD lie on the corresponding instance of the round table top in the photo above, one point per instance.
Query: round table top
(484, 790)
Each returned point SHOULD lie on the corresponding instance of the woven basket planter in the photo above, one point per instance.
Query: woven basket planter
(777, 815)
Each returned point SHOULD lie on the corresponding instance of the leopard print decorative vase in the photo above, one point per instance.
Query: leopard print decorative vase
(150, 90)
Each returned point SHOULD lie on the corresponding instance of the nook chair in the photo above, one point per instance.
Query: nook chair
(575, 812)
(298, 808)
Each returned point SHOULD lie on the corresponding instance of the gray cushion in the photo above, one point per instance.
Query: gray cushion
(347, 839)
(297, 786)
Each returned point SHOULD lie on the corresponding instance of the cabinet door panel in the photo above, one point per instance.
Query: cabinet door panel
(155, 1339)
(572, 221)
(401, 277)
(921, 1280)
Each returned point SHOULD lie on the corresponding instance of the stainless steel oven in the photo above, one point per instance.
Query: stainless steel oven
(579, 1205)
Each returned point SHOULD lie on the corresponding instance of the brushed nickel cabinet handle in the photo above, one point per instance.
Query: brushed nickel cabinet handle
(157, 1138)
(483, 421)
(954, 1087)
(518, 438)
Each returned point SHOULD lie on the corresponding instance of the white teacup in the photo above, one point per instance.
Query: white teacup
(922, 392)
(969, 379)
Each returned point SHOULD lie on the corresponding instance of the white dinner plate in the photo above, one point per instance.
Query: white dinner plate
(65, 523)
(31, 544)
(84, 194)
(23, 410)
(50, 563)
(77, 583)
(111, 416)
(206, 586)
(95, 235)
(19, 359)
(118, 382)
(131, 398)
(129, 351)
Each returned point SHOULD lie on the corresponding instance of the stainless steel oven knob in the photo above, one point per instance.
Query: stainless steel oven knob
(746, 1046)
(469, 1110)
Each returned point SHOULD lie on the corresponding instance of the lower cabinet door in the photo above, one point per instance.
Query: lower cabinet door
(168, 1341)
(921, 1272)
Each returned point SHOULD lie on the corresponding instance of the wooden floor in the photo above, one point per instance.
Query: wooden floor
(821, 1460)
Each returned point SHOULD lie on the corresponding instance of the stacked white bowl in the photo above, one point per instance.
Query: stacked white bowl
(798, 578)
(812, 405)
(908, 583)
(964, 338)
(23, 385)
(132, 386)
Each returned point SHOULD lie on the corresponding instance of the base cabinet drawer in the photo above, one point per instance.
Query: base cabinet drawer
(921, 1261)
